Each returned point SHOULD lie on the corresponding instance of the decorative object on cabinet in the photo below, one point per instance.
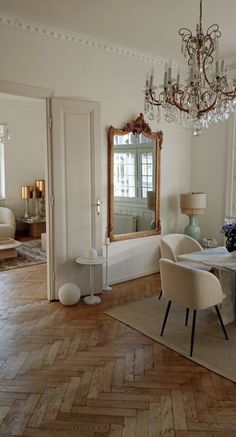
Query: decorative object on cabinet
(134, 159)
(26, 193)
(193, 204)
(209, 243)
(209, 95)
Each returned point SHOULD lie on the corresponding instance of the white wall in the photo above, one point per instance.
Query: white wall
(208, 174)
(117, 82)
(24, 153)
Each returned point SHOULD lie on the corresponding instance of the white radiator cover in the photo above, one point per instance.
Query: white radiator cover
(124, 223)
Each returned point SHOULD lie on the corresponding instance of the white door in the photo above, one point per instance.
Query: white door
(76, 186)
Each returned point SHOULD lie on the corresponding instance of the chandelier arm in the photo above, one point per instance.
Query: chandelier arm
(157, 102)
(204, 70)
(213, 29)
(230, 94)
(179, 105)
(152, 100)
(208, 109)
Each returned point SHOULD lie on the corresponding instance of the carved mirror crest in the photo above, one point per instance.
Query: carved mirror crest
(134, 160)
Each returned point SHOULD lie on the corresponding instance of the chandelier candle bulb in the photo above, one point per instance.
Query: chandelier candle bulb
(151, 80)
(165, 79)
(222, 65)
(178, 76)
(165, 76)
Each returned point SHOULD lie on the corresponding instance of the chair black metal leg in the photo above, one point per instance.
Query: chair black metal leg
(193, 332)
(160, 294)
(186, 316)
(165, 318)
(221, 322)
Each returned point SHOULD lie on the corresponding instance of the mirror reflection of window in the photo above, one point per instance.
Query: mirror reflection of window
(134, 180)
(134, 171)
(146, 173)
(124, 174)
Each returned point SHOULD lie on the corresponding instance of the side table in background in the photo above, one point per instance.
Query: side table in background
(35, 227)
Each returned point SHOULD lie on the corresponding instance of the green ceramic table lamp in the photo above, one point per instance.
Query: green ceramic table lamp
(193, 204)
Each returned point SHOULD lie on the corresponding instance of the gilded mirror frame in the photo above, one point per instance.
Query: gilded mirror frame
(137, 126)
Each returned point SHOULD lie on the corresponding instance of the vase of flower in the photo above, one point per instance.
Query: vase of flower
(229, 230)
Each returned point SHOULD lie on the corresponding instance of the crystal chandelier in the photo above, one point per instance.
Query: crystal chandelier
(208, 96)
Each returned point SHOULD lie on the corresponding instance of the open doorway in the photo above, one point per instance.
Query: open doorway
(23, 186)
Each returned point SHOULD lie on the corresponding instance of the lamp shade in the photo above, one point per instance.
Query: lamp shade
(40, 185)
(26, 192)
(193, 203)
(151, 200)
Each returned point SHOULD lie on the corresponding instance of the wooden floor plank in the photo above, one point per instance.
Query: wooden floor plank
(75, 371)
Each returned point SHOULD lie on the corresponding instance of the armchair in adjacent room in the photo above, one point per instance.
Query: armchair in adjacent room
(7, 223)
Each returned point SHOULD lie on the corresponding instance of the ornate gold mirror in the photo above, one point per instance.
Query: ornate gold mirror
(134, 158)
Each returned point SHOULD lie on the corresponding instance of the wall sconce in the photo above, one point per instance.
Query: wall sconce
(26, 193)
(193, 204)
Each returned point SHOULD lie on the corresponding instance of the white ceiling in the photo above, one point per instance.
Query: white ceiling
(148, 25)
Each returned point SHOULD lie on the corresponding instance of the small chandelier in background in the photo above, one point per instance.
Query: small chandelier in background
(4, 132)
(208, 97)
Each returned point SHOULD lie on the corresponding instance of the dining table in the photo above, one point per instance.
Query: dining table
(223, 265)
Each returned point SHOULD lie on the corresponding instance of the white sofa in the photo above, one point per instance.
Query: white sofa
(7, 223)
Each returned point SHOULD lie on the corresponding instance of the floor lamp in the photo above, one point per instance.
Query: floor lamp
(193, 204)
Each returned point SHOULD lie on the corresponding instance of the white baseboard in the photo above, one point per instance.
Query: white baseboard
(134, 276)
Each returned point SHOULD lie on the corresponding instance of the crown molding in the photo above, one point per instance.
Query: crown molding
(78, 38)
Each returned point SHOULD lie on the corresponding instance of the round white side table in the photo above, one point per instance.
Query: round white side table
(91, 262)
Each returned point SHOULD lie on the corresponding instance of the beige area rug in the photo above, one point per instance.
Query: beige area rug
(211, 350)
(28, 254)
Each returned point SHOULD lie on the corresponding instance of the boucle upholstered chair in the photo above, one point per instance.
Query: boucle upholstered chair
(7, 223)
(194, 289)
(173, 245)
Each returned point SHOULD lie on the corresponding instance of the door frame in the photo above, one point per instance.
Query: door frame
(23, 90)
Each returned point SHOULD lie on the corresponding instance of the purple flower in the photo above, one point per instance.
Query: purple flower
(229, 230)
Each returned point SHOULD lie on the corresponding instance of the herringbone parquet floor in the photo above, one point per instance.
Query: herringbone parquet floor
(76, 372)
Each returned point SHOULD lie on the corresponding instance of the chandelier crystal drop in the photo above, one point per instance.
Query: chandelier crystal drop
(208, 96)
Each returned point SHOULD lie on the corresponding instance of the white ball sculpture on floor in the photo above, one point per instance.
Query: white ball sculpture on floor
(69, 294)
